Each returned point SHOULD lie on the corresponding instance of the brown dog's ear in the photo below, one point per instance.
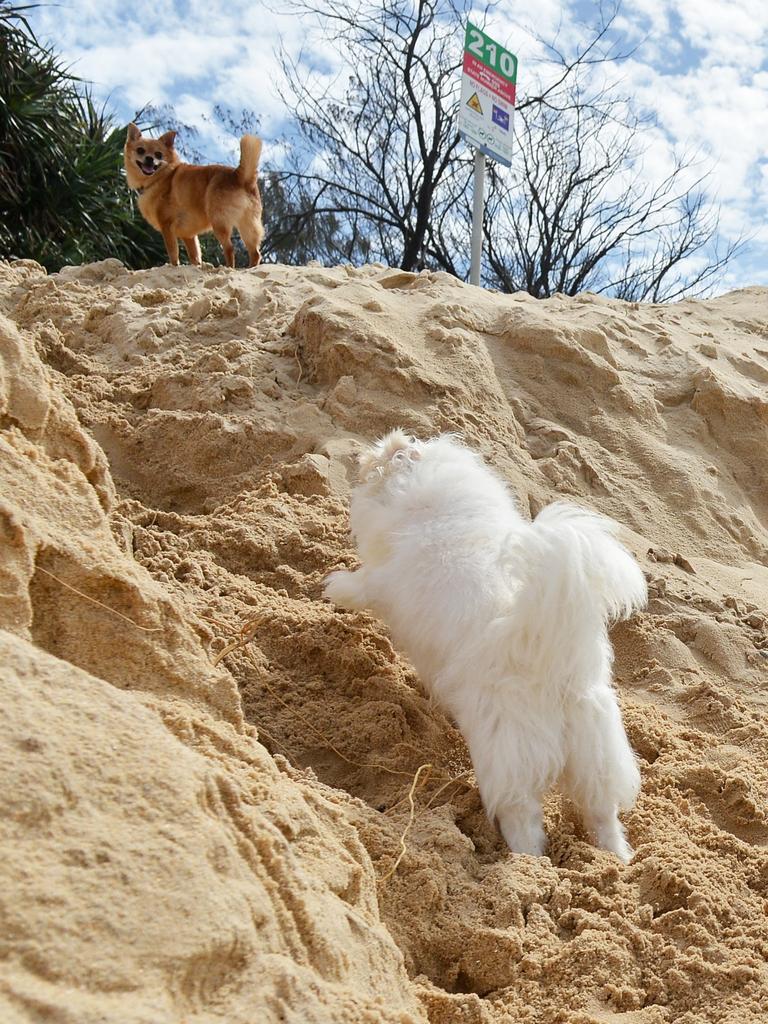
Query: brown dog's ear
(133, 132)
(167, 139)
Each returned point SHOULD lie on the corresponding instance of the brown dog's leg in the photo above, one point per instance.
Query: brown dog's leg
(224, 235)
(192, 245)
(171, 246)
(252, 233)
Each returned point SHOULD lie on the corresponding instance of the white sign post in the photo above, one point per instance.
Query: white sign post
(486, 110)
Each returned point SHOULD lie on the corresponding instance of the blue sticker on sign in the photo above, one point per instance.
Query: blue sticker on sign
(500, 117)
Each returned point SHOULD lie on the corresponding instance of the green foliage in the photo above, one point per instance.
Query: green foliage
(63, 196)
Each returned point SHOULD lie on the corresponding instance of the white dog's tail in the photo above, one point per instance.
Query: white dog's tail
(579, 564)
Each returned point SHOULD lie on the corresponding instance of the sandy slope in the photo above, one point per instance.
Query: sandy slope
(199, 842)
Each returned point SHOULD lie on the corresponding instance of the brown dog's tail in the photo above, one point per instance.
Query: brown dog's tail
(250, 152)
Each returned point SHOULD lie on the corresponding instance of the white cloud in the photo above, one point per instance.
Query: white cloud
(152, 53)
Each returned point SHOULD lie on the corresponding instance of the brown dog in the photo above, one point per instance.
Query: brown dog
(182, 200)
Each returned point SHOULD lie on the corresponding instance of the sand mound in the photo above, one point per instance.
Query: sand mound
(193, 839)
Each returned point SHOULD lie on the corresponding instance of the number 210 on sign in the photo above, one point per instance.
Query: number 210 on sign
(490, 53)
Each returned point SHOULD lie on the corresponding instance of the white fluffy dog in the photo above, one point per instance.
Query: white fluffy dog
(506, 623)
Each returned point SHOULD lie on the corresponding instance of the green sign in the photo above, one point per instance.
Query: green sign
(488, 52)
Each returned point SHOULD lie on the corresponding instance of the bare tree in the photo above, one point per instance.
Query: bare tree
(576, 213)
(384, 150)
(379, 154)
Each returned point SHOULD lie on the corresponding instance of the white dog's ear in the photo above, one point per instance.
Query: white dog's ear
(393, 451)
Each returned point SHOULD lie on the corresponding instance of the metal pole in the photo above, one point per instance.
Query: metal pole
(478, 202)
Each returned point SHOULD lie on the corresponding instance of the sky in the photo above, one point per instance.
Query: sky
(700, 67)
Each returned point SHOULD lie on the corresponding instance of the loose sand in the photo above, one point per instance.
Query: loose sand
(186, 840)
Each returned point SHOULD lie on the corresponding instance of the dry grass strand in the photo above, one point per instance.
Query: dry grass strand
(93, 600)
(411, 816)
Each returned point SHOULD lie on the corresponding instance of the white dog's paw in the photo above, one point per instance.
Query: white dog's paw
(343, 588)
(609, 835)
(523, 832)
(622, 849)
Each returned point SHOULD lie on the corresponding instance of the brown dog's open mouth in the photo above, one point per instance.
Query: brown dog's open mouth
(144, 169)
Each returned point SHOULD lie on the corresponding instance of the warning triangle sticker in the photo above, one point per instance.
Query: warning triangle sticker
(474, 102)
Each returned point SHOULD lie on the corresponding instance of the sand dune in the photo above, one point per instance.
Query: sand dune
(194, 837)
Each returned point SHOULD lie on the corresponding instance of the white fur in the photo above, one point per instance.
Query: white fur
(506, 623)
